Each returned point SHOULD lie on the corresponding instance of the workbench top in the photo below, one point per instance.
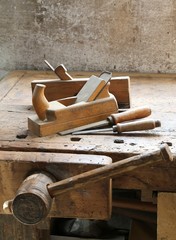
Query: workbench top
(156, 91)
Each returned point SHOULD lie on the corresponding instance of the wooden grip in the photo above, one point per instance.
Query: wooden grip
(131, 114)
(136, 126)
(40, 103)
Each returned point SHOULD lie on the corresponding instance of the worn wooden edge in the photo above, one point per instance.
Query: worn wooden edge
(76, 144)
(50, 157)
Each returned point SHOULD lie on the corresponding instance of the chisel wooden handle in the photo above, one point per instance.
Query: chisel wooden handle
(136, 125)
(131, 114)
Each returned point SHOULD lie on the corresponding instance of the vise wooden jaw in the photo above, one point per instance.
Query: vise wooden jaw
(28, 175)
(93, 103)
(33, 199)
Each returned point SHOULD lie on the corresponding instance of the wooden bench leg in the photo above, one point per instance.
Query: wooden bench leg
(11, 229)
(142, 230)
(166, 217)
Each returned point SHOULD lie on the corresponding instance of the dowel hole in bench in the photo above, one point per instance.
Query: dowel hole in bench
(75, 139)
(22, 135)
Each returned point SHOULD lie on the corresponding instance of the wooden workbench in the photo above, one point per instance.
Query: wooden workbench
(153, 90)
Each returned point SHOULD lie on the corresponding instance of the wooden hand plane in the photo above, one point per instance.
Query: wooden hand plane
(66, 86)
(93, 103)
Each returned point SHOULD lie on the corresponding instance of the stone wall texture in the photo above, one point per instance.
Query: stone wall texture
(114, 35)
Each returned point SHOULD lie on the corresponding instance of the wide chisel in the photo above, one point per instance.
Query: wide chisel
(113, 119)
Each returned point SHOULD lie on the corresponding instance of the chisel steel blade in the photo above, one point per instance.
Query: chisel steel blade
(100, 124)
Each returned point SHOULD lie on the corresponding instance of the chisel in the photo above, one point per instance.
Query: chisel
(137, 125)
(128, 115)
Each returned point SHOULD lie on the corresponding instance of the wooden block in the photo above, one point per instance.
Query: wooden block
(166, 223)
(91, 202)
(11, 229)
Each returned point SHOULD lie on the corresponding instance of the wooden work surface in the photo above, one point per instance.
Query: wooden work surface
(153, 90)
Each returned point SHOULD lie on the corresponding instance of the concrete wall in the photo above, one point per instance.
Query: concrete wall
(121, 35)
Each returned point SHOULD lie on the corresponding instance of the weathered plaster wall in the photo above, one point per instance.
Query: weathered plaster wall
(122, 35)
